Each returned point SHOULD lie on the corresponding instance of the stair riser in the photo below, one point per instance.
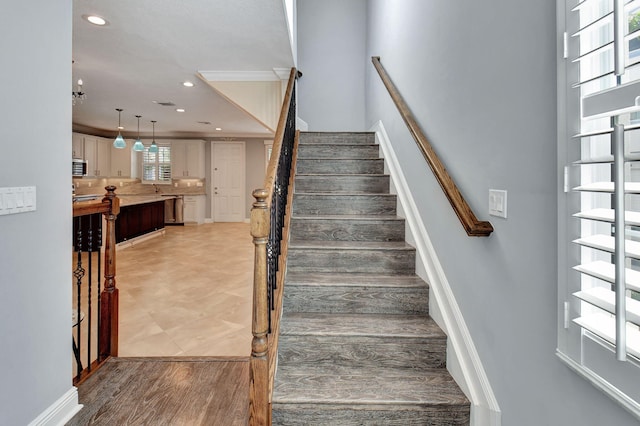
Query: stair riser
(363, 352)
(333, 166)
(337, 138)
(400, 262)
(349, 184)
(309, 204)
(346, 230)
(338, 151)
(350, 415)
(360, 300)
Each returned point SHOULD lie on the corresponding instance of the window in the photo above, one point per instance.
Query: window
(268, 147)
(156, 166)
(599, 204)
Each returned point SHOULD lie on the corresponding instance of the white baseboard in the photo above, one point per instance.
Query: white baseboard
(301, 125)
(208, 220)
(463, 361)
(61, 411)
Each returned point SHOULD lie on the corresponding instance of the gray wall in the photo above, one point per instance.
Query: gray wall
(35, 247)
(331, 48)
(481, 82)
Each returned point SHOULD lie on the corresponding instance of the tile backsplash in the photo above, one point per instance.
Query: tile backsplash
(86, 186)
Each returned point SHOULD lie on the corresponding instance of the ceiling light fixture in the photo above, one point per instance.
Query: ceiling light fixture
(137, 145)
(180, 109)
(95, 20)
(188, 84)
(119, 142)
(154, 146)
(218, 128)
(79, 95)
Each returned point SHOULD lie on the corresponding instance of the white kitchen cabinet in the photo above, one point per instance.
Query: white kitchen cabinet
(194, 208)
(187, 159)
(77, 145)
(121, 162)
(97, 153)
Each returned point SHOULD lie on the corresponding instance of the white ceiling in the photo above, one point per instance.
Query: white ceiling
(149, 47)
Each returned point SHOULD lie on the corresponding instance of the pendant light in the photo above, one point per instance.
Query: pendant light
(138, 146)
(154, 146)
(119, 142)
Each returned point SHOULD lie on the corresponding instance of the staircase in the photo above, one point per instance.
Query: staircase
(357, 345)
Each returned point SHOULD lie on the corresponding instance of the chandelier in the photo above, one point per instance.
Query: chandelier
(79, 95)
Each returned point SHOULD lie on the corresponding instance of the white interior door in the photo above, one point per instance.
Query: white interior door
(228, 181)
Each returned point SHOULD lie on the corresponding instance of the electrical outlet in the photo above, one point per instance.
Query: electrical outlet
(175, 184)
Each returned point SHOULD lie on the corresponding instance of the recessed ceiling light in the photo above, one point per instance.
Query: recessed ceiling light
(180, 109)
(95, 19)
(218, 128)
(187, 84)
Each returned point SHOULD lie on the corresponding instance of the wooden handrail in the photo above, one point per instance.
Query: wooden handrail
(109, 207)
(264, 324)
(470, 223)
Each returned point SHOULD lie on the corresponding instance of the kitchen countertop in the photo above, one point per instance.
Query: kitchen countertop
(130, 200)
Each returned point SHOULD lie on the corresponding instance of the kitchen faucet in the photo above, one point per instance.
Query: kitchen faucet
(156, 188)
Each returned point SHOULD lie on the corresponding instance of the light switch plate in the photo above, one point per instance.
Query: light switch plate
(498, 203)
(17, 199)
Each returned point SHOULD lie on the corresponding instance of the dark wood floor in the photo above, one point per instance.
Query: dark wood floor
(166, 391)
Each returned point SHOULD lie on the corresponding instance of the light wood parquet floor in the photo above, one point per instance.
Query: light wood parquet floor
(187, 293)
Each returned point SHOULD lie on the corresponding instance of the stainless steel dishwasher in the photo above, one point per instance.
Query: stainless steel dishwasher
(174, 210)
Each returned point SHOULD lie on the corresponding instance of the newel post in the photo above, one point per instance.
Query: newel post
(109, 300)
(259, 413)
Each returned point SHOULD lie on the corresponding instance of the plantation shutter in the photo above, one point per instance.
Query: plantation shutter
(599, 334)
(156, 166)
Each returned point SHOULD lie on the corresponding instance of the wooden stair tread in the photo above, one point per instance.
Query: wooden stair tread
(355, 280)
(363, 217)
(345, 194)
(334, 384)
(346, 175)
(374, 325)
(350, 245)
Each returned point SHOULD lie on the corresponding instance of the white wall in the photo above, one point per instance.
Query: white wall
(255, 170)
(331, 48)
(35, 247)
(481, 82)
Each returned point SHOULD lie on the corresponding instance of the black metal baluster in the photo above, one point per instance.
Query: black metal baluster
(78, 273)
(90, 243)
(99, 278)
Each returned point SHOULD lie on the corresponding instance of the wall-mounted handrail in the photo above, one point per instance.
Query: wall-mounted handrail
(470, 223)
(269, 228)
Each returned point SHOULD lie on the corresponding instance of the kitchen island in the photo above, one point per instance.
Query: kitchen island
(140, 215)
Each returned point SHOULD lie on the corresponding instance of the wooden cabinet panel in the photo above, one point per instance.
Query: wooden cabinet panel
(77, 145)
(194, 208)
(120, 162)
(139, 219)
(98, 155)
(187, 159)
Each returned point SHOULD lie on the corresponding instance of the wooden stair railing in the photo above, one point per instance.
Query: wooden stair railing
(107, 341)
(470, 223)
(270, 217)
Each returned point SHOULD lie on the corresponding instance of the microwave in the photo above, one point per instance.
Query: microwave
(79, 167)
